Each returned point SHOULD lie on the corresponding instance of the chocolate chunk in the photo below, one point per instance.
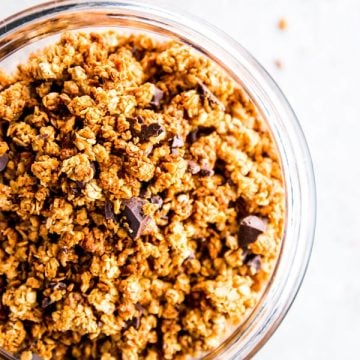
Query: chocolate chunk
(164, 218)
(140, 119)
(241, 208)
(220, 166)
(253, 261)
(43, 136)
(95, 168)
(109, 212)
(80, 185)
(64, 250)
(192, 136)
(205, 92)
(157, 97)
(4, 159)
(152, 130)
(4, 312)
(2, 285)
(140, 308)
(144, 190)
(77, 187)
(67, 141)
(135, 322)
(245, 253)
(135, 217)
(193, 167)
(206, 171)
(137, 53)
(250, 228)
(157, 200)
(46, 302)
(58, 285)
(199, 132)
(177, 142)
(194, 299)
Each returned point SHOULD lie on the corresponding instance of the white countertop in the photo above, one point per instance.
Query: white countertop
(320, 51)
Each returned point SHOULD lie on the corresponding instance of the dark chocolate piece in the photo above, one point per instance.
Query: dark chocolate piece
(58, 286)
(253, 261)
(250, 228)
(157, 97)
(241, 208)
(177, 142)
(135, 217)
(64, 250)
(205, 92)
(77, 187)
(137, 53)
(245, 253)
(137, 322)
(220, 166)
(144, 190)
(2, 285)
(199, 132)
(192, 136)
(148, 131)
(80, 185)
(134, 124)
(95, 168)
(4, 159)
(193, 167)
(164, 217)
(140, 308)
(4, 312)
(46, 302)
(109, 212)
(140, 119)
(43, 136)
(206, 171)
(67, 141)
(157, 199)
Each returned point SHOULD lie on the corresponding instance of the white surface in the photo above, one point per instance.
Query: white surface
(321, 78)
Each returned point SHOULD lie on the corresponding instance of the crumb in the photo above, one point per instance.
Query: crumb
(279, 63)
(282, 24)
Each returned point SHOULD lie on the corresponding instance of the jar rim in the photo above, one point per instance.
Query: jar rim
(47, 18)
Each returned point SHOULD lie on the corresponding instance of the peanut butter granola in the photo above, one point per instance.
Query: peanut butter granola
(141, 201)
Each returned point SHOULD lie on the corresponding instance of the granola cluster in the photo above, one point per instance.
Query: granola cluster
(141, 201)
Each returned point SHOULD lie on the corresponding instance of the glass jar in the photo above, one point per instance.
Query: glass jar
(37, 26)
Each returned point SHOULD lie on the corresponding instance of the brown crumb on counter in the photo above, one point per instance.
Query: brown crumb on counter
(282, 24)
(279, 64)
(141, 201)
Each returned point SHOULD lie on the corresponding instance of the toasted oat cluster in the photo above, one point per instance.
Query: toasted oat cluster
(141, 201)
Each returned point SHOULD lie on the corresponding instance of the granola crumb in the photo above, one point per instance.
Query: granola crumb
(282, 24)
(279, 64)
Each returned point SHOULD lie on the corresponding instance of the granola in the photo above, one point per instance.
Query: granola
(141, 201)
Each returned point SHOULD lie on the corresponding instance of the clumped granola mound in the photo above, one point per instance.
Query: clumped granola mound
(141, 201)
